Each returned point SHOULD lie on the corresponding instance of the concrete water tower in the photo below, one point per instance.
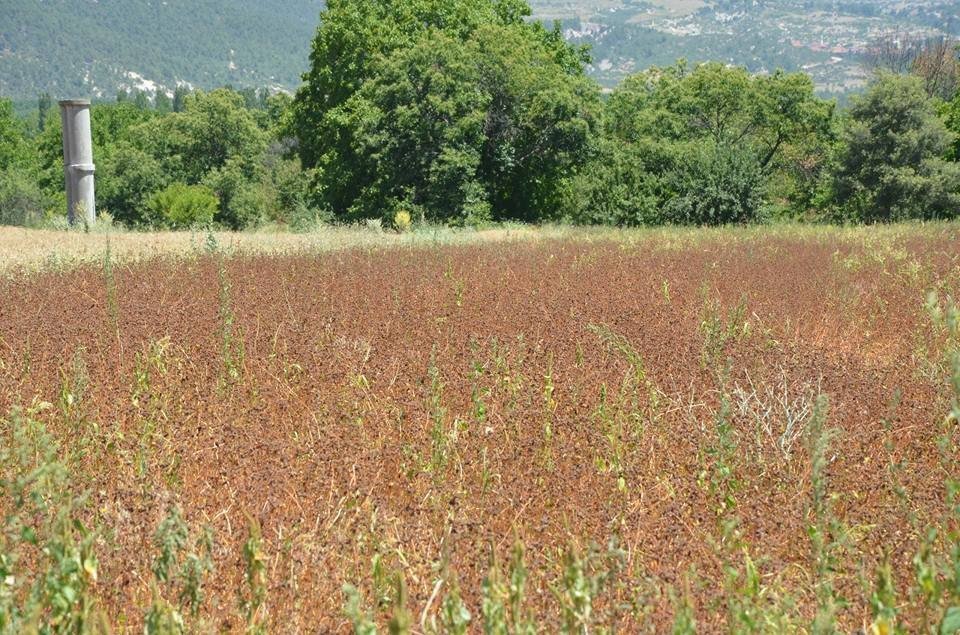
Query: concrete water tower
(78, 165)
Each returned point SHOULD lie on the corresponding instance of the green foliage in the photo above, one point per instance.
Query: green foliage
(48, 568)
(724, 105)
(178, 573)
(615, 188)
(212, 140)
(826, 530)
(254, 600)
(891, 165)
(684, 619)
(503, 597)
(454, 614)
(461, 110)
(360, 620)
(213, 129)
(162, 103)
(883, 602)
(950, 112)
(183, 206)
(231, 340)
(22, 202)
(584, 579)
(14, 149)
(700, 146)
(493, 604)
(127, 178)
(468, 112)
(44, 108)
(241, 202)
(717, 185)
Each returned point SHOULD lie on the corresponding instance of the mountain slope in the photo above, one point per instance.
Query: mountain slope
(94, 47)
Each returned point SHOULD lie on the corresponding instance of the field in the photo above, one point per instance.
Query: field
(740, 430)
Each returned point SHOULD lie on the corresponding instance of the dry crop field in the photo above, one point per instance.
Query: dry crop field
(704, 431)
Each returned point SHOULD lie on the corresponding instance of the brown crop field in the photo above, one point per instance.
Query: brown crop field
(745, 430)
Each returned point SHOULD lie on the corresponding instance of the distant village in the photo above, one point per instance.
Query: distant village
(829, 44)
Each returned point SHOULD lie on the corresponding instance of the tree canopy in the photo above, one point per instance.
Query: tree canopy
(698, 145)
(456, 110)
(892, 165)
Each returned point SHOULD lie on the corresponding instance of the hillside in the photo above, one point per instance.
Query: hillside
(76, 47)
(95, 47)
(825, 38)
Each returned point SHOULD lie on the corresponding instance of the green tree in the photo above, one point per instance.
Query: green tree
(891, 166)
(213, 129)
(140, 100)
(126, 179)
(726, 106)
(181, 206)
(180, 98)
(14, 148)
(418, 131)
(690, 133)
(616, 188)
(353, 34)
(457, 109)
(162, 103)
(21, 200)
(951, 116)
(717, 185)
(111, 123)
(238, 186)
(44, 103)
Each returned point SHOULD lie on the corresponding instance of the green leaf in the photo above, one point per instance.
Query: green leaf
(69, 594)
(29, 535)
(951, 621)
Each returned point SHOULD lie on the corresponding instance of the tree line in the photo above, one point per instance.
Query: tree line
(468, 112)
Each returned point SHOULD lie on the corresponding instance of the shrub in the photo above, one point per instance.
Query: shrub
(402, 221)
(126, 179)
(240, 191)
(21, 200)
(180, 206)
(716, 186)
(891, 166)
(615, 188)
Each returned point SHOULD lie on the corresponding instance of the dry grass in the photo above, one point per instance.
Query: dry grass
(37, 250)
(32, 250)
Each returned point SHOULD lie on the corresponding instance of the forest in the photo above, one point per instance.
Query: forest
(469, 113)
(92, 47)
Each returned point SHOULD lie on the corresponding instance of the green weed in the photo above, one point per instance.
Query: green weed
(48, 566)
(180, 573)
(443, 436)
(253, 600)
(549, 413)
(718, 329)
(361, 620)
(826, 532)
(110, 286)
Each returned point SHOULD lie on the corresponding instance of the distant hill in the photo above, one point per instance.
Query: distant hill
(825, 38)
(95, 47)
